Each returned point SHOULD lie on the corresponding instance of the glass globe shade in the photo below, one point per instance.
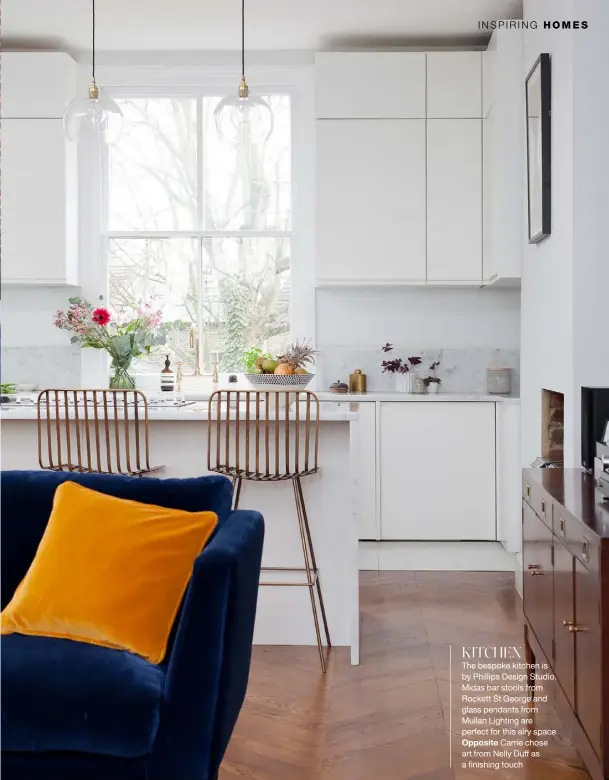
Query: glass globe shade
(93, 115)
(243, 118)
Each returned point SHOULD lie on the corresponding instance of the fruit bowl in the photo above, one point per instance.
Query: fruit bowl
(280, 380)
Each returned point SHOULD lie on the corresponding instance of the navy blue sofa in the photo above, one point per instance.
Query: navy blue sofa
(74, 711)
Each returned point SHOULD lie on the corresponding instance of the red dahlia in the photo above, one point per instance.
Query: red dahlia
(101, 316)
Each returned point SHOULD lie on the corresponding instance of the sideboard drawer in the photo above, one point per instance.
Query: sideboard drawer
(537, 500)
(573, 535)
(588, 666)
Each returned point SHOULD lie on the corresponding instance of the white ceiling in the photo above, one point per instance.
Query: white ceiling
(167, 25)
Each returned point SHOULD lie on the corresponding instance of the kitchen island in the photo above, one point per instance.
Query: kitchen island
(178, 441)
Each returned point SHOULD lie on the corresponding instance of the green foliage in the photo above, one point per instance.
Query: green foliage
(8, 388)
(250, 356)
(236, 296)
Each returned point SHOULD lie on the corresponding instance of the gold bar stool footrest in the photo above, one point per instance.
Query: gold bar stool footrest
(309, 582)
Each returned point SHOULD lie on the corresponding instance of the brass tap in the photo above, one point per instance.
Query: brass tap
(179, 377)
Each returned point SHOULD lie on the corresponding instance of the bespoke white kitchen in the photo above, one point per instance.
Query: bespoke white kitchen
(389, 215)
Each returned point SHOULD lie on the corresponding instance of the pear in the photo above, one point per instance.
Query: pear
(269, 365)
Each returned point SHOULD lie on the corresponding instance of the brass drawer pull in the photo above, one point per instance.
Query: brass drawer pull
(562, 527)
(568, 623)
(585, 551)
(528, 490)
(537, 573)
(534, 566)
(574, 629)
(543, 506)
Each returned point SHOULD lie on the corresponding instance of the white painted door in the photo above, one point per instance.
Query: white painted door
(371, 200)
(454, 200)
(437, 471)
(370, 85)
(454, 84)
(35, 202)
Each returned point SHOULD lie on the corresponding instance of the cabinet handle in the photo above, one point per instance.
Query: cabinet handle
(534, 566)
(562, 526)
(543, 506)
(585, 551)
(528, 490)
(574, 629)
(568, 623)
(537, 573)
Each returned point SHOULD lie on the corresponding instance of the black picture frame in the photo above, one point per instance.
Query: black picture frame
(538, 92)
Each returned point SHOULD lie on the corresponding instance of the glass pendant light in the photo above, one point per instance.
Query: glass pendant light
(243, 116)
(95, 113)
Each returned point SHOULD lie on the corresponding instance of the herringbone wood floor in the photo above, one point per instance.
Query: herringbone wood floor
(387, 719)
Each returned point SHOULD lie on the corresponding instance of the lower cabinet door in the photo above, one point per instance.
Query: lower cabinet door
(437, 471)
(564, 619)
(588, 672)
(537, 594)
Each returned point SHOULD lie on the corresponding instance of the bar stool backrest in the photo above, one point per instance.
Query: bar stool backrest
(93, 431)
(265, 435)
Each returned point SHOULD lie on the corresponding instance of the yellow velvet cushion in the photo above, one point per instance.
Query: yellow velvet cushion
(109, 572)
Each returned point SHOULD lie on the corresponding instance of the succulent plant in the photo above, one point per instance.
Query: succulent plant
(298, 354)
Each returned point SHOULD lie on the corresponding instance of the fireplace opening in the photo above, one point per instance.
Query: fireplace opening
(552, 426)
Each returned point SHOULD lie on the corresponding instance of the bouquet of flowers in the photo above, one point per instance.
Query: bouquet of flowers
(94, 326)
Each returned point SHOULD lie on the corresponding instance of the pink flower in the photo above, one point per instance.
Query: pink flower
(101, 316)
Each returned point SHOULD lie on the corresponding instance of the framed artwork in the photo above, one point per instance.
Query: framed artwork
(538, 95)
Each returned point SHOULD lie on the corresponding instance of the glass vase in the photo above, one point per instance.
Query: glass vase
(120, 378)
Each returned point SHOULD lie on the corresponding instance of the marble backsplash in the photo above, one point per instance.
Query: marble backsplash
(50, 366)
(461, 370)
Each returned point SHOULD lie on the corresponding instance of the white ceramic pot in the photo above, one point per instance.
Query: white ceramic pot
(418, 385)
(403, 382)
(432, 388)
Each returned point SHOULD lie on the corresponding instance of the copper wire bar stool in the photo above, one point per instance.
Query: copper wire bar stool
(271, 436)
(94, 431)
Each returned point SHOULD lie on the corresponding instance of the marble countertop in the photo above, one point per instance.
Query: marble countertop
(191, 413)
(374, 396)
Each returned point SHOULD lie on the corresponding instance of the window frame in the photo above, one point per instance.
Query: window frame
(198, 82)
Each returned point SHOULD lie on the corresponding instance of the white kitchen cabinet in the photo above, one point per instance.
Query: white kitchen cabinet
(454, 85)
(370, 201)
(504, 163)
(454, 200)
(488, 76)
(39, 195)
(437, 471)
(37, 85)
(370, 85)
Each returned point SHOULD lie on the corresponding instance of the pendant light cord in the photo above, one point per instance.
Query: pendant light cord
(243, 38)
(93, 37)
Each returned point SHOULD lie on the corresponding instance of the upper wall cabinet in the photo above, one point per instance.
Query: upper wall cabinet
(370, 85)
(371, 201)
(454, 85)
(504, 159)
(36, 85)
(454, 201)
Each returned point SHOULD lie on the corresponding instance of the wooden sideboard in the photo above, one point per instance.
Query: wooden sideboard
(565, 548)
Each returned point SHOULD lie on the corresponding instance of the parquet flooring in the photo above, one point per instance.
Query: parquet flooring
(387, 719)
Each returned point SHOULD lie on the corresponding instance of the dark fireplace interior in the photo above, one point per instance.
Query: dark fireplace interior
(552, 426)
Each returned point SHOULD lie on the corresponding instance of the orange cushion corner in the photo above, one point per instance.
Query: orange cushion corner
(109, 571)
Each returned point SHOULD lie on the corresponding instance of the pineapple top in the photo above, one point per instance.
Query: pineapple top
(298, 354)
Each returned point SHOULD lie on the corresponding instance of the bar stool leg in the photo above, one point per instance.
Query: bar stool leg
(311, 570)
(236, 491)
(314, 562)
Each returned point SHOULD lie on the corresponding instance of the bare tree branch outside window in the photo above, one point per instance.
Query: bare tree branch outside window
(203, 227)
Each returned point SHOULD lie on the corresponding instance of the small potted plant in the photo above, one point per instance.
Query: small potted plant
(432, 382)
(402, 370)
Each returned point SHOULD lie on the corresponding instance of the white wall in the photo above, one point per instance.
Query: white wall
(591, 207)
(565, 283)
(547, 267)
(468, 330)
(435, 317)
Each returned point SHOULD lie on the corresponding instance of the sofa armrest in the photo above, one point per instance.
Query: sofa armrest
(209, 664)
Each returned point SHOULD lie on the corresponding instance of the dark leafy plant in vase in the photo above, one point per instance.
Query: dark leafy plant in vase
(403, 370)
(432, 382)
